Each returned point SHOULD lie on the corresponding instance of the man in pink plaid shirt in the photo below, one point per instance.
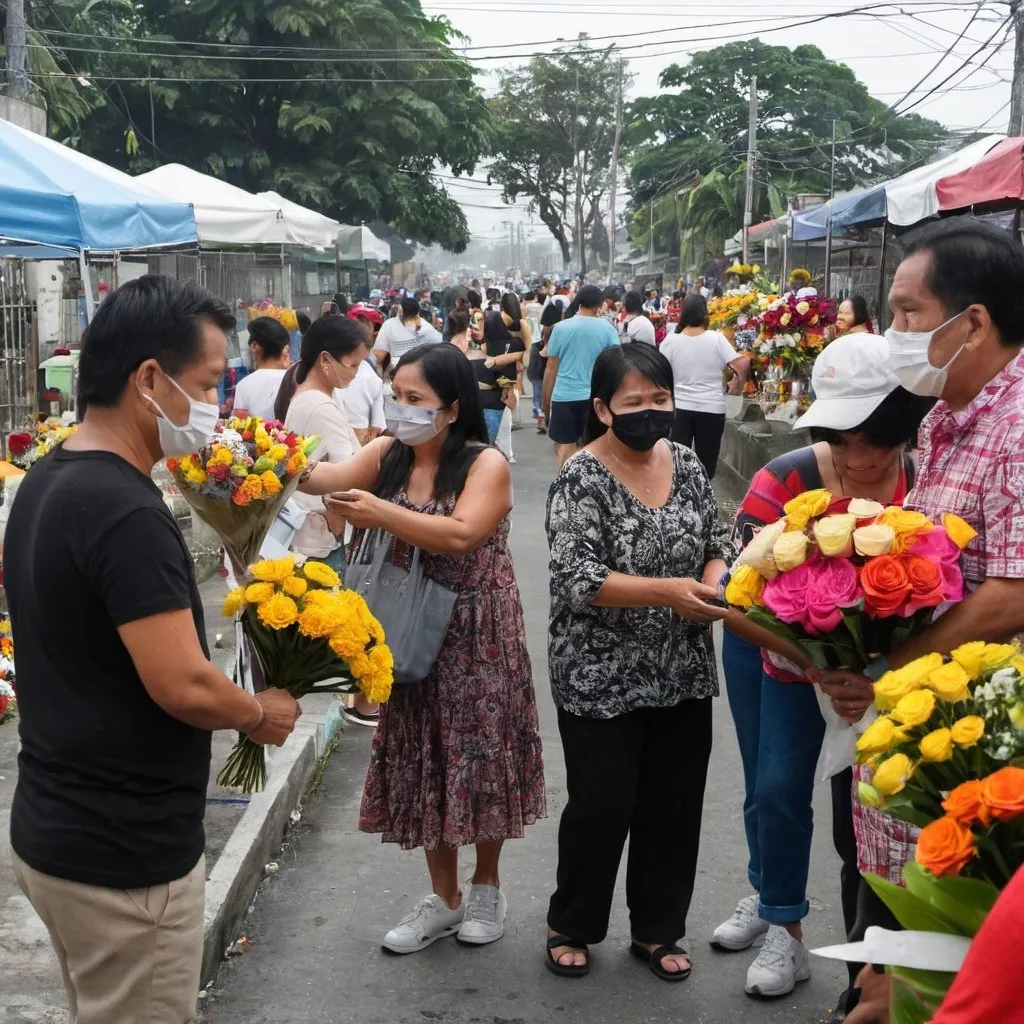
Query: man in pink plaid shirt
(958, 326)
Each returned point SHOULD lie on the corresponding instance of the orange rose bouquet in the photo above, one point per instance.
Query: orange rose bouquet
(846, 580)
(947, 749)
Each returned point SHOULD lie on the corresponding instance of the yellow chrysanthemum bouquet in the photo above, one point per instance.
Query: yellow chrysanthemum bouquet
(309, 635)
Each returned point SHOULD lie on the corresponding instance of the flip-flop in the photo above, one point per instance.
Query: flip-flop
(654, 957)
(566, 970)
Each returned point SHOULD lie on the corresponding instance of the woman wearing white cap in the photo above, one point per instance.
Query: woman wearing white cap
(862, 424)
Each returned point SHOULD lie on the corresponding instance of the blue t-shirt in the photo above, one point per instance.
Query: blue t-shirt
(576, 344)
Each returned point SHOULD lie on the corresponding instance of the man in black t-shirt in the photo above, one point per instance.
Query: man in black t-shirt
(116, 693)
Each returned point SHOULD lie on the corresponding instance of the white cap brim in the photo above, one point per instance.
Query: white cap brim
(922, 951)
(840, 413)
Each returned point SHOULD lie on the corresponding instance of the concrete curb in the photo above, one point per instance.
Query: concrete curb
(232, 884)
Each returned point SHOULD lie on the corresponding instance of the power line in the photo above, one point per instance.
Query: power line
(872, 9)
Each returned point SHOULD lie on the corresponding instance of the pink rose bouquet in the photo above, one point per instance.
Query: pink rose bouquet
(847, 580)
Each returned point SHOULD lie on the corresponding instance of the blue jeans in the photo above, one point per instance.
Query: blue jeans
(492, 417)
(779, 729)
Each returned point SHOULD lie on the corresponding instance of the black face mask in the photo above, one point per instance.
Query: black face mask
(642, 430)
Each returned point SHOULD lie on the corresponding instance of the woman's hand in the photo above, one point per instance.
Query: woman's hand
(362, 509)
(852, 693)
(687, 598)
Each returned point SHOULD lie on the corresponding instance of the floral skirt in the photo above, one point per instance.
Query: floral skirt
(457, 758)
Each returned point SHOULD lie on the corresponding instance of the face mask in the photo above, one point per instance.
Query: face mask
(642, 430)
(410, 424)
(176, 441)
(908, 356)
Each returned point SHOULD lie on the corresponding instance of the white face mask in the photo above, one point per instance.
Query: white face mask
(176, 441)
(410, 424)
(908, 357)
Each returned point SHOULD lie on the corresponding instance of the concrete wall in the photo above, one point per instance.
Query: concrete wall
(24, 115)
(747, 447)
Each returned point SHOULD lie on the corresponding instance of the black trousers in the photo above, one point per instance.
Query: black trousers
(701, 431)
(643, 775)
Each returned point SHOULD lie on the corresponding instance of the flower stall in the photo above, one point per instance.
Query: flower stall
(792, 332)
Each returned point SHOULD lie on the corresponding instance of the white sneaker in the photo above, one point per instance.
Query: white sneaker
(485, 916)
(740, 931)
(781, 963)
(430, 920)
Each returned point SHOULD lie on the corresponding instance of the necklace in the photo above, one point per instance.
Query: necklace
(628, 470)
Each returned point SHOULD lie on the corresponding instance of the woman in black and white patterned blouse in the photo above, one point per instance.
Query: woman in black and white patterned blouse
(637, 549)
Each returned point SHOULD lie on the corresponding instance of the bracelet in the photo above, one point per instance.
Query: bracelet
(259, 721)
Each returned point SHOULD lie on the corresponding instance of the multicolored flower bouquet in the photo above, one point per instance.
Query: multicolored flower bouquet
(947, 751)
(284, 315)
(793, 331)
(736, 308)
(309, 635)
(240, 479)
(847, 580)
(27, 447)
(8, 693)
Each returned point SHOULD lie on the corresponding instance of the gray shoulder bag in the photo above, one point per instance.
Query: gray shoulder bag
(414, 611)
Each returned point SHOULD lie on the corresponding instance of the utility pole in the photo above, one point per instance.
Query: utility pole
(17, 50)
(828, 222)
(1017, 92)
(614, 179)
(748, 204)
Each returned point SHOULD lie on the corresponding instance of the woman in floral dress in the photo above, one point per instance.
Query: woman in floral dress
(457, 757)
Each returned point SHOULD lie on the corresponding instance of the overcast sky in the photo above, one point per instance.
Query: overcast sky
(888, 51)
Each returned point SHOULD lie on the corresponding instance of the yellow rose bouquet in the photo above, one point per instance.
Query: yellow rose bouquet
(309, 635)
(947, 752)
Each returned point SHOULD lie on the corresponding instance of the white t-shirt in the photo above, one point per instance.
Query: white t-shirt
(256, 392)
(397, 338)
(638, 329)
(363, 399)
(697, 364)
(313, 412)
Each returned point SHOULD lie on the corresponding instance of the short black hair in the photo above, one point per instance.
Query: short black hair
(975, 263)
(694, 313)
(304, 322)
(270, 335)
(474, 299)
(458, 321)
(410, 307)
(609, 372)
(589, 297)
(894, 423)
(859, 305)
(152, 317)
(633, 302)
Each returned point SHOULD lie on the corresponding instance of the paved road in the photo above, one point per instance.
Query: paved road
(316, 928)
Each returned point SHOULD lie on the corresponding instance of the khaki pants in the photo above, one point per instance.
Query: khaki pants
(128, 956)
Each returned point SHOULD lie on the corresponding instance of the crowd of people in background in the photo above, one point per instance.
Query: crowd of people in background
(414, 396)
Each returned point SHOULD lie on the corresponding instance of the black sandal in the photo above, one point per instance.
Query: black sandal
(654, 957)
(566, 970)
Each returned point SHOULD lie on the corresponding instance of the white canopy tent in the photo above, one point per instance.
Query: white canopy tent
(361, 245)
(307, 227)
(225, 214)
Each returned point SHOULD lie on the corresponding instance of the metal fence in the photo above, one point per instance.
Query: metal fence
(17, 370)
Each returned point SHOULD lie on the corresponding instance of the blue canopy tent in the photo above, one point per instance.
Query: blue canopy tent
(865, 206)
(66, 203)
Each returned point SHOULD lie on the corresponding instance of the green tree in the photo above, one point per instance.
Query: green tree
(554, 131)
(692, 137)
(348, 107)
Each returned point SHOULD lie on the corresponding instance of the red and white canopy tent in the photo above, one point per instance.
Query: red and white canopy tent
(997, 177)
